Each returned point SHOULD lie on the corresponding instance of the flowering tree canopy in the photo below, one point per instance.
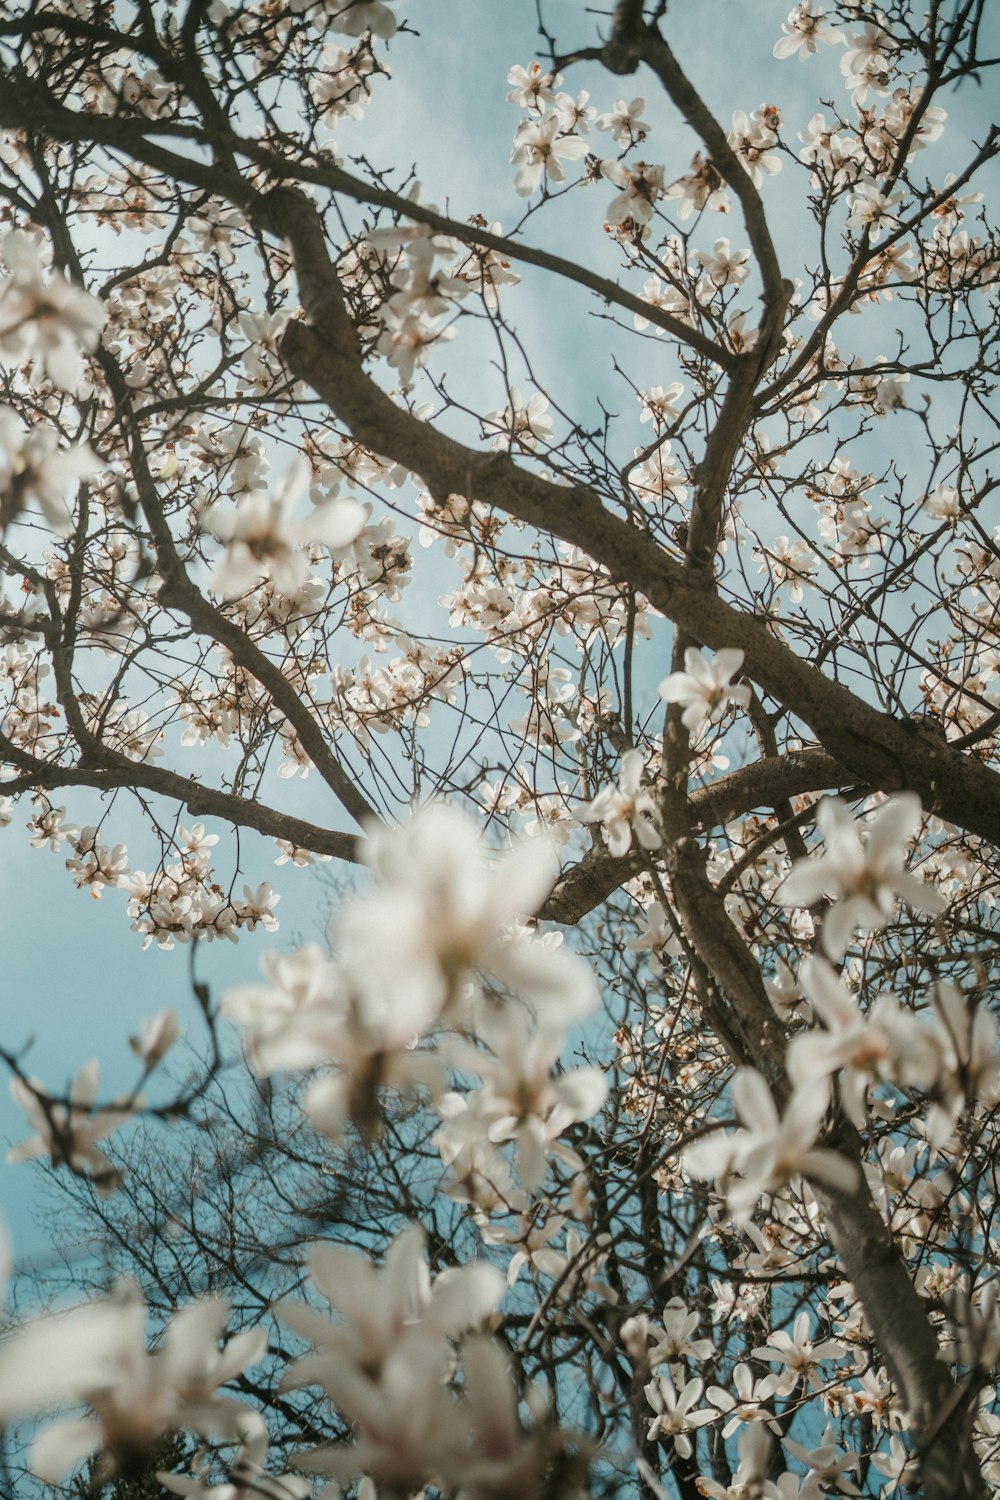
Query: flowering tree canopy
(605, 566)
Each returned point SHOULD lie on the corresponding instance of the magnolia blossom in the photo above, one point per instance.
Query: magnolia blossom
(640, 185)
(659, 405)
(705, 688)
(872, 209)
(407, 338)
(263, 541)
(889, 1044)
(752, 137)
(523, 1101)
(625, 122)
(748, 1404)
(247, 1476)
(771, 1149)
(676, 1414)
(723, 266)
(358, 16)
(532, 86)
(826, 1462)
(677, 1344)
(701, 188)
(385, 1361)
(539, 151)
(625, 809)
(66, 1132)
(96, 1354)
(157, 1037)
(381, 1308)
(798, 1356)
(944, 503)
(34, 469)
(802, 31)
(49, 319)
(521, 424)
(864, 876)
(868, 62)
(409, 953)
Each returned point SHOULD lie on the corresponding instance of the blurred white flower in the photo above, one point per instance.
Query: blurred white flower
(48, 319)
(96, 1354)
(66, 1131)
(157, 1037)
(263, 541)
(35, 470)
(863, 876)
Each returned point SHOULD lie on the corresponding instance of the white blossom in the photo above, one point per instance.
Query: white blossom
(864, 876)
(705, 687)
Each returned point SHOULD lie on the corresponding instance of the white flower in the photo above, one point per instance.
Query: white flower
(702, 188)
(827, 1463)
(803, 30)
(539, 151)
(408, 957)
(96, 1354)
(53, 321)
(440, 912)
(158, 1036)
(624, 122)
(748, 1403)
(751, 139)
(385, 1363)
(868, 62)
(263, 541)
(944, 503)
(890, 1044)
(705, 687)
(865, 877)
(625, 809)
(677, 1344)
(247, 1477)
(33, 468)
(520, 424)
(872, 209)
(659, 939)
(407, 339)
(66, 1132)
(378, 1307)
(675, 1418)
(288, 1021)
(359, 16)
(523, 1100)
(641, 186)
(659, 405)
(800, 1357)
(772, 1150)
(723, 266)
(532, 86)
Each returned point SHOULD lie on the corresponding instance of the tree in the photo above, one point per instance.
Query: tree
(717, 619)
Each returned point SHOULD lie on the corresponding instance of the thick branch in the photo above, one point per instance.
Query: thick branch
(177, 591)
(873, 747)
(21, 102)
(658, 56)
(763, 784)
(118, 772)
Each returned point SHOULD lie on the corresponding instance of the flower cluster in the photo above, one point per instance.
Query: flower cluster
(402, 1001)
